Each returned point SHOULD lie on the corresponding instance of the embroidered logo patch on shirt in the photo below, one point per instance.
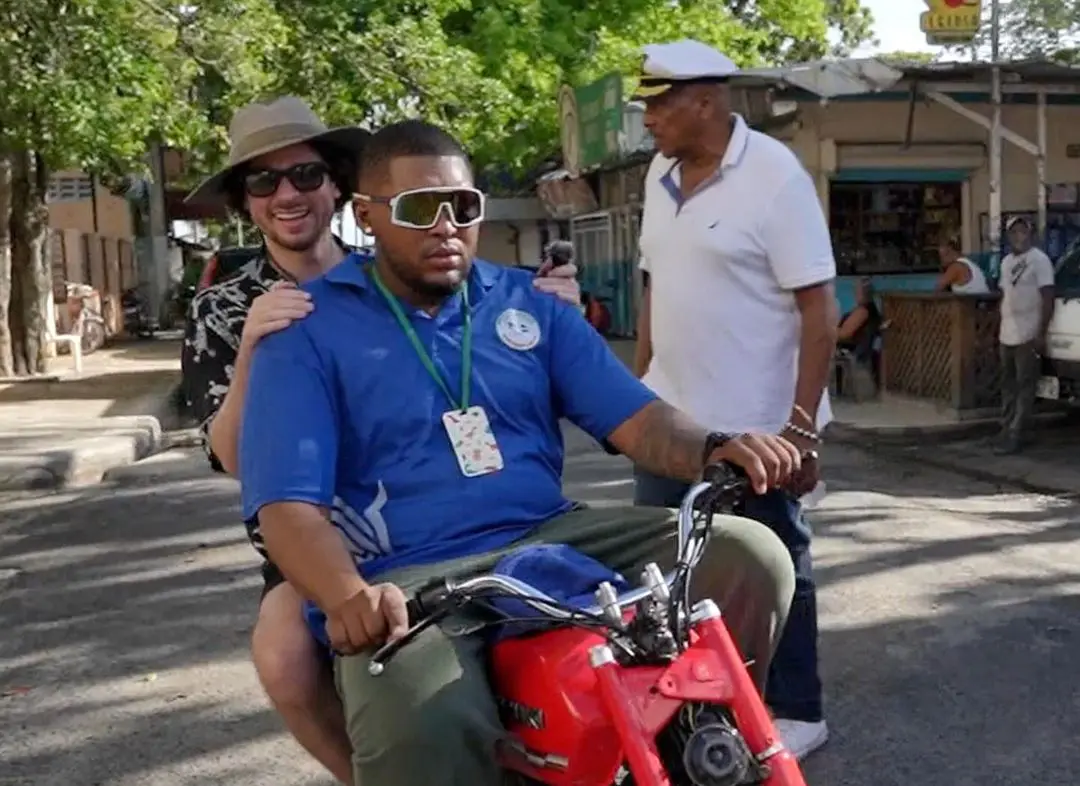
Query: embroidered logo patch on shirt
(518, 329)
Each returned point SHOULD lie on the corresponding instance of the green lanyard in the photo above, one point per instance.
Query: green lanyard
(429, 365)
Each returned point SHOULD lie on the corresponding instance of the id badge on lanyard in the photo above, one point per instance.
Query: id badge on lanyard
(467, 427)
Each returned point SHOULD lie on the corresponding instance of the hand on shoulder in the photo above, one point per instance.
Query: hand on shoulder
(275, 310)
(559, 281)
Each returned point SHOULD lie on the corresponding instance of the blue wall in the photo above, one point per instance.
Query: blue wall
(903, 282)
(613, 283)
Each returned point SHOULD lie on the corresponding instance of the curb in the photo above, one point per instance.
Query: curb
(908, 453)
(85, 451)
(906, 436)
(83, 464)
(162, 404)
(171, 465)
(903, 436)
(181, 438)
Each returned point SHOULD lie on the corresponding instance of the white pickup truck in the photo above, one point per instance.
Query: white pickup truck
(1061, 366)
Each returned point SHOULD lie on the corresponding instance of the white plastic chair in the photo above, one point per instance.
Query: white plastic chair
(74, 342)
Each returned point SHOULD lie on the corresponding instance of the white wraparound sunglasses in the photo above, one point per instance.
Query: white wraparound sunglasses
(420, 208)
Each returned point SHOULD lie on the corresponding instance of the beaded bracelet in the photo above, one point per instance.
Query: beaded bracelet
(799, 431)
(800, 410)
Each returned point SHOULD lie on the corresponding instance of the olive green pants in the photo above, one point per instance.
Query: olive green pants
(430, 718)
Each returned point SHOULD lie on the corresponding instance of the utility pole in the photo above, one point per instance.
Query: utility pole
(995, 136)
(157, 270)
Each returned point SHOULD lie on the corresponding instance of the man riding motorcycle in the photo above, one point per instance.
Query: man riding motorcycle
(433, 448)
(289, 174)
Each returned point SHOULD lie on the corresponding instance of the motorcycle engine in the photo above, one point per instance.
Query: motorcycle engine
(702, 747)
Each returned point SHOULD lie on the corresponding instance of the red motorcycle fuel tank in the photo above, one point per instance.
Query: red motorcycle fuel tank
(547, 695)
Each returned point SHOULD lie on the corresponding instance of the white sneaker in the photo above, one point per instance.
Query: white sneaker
(801, 737)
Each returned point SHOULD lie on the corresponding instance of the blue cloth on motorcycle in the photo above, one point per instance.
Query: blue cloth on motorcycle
(316, 622)
(559, 571)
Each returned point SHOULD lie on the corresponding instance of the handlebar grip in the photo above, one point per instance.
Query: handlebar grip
(428, 599)
(415, 611)
(425, 609)
(723, 473)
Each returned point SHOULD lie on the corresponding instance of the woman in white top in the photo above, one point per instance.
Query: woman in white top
(959, 274)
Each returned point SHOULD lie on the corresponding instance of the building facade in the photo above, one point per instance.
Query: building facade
(891, 198)
(92, 235)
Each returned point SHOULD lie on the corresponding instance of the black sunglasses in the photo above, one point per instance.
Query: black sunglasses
(307, 177)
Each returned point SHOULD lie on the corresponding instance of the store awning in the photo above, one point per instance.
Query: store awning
(899, 175)
(826, 78)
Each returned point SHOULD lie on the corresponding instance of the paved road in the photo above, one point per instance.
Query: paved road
(949, 613)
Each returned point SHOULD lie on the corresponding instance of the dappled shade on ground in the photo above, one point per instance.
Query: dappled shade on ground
(948, 613)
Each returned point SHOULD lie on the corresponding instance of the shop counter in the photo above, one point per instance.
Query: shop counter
(942, 347)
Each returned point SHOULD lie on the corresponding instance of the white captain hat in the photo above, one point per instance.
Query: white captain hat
(680, 62)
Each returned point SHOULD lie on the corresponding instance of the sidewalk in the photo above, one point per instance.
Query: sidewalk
(934, 436)
(1049, 465)
(923, 432)
(65, 430)
(901, 419)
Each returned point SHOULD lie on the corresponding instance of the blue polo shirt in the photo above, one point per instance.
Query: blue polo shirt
(341, 413)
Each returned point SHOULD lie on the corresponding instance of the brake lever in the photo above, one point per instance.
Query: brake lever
(386, 652)
(730, 487)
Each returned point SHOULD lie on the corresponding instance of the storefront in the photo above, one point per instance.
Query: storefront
(606, 240)
(901, 157)
(891, 223)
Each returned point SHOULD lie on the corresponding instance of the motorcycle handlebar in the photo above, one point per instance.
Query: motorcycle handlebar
(720, 482)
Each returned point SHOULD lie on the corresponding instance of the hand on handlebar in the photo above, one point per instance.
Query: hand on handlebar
(375, 615)
(769, 461)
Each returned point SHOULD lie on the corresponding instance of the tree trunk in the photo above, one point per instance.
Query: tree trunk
(30, 269)
(7, 365)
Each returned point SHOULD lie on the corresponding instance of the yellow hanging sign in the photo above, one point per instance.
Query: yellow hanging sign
(951, 21)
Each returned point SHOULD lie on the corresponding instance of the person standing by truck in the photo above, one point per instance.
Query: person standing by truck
(1027, 305)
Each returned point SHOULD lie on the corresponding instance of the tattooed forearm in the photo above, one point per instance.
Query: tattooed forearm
(662, 440)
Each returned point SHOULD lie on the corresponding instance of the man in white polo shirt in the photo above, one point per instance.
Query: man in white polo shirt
(738, 321)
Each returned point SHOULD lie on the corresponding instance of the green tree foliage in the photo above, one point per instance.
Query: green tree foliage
(89, 84)
(1042, 29)
(1034, 30)
(491, 70)
(91, 81)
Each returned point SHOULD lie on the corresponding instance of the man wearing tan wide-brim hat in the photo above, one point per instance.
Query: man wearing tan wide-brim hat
(259, 129)
(290, 174)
